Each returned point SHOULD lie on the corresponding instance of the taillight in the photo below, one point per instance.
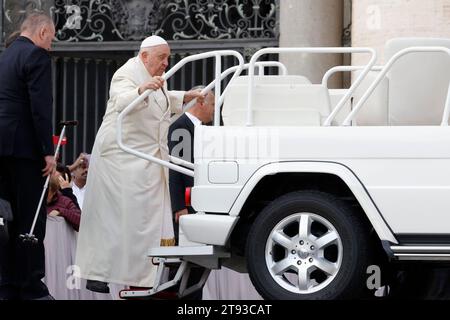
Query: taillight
(187, 197)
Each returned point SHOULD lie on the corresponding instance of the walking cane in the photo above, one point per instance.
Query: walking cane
(30, 237)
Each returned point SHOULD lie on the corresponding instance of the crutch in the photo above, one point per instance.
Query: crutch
(30, 237)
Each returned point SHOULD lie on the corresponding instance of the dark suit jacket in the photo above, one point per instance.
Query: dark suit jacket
(25, 101)
(179, 182)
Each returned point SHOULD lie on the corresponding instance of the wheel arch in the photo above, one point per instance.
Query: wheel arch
(294, 176)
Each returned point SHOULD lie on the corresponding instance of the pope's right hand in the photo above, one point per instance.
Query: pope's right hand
(154, 84)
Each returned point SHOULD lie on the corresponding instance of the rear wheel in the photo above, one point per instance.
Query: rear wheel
(308, 245)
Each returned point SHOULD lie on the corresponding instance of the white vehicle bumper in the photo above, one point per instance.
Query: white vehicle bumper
(209, 229)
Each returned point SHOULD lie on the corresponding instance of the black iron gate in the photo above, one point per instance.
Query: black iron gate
(95, 37)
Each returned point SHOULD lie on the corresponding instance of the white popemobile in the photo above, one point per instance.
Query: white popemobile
(305, 187)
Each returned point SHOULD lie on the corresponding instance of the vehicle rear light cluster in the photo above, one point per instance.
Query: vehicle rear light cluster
(187, 197)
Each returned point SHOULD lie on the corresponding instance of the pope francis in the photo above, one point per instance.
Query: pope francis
(126, 209)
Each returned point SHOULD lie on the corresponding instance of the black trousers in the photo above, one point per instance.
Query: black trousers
(22, 265)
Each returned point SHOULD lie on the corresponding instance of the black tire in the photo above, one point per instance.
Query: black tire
(349, 280)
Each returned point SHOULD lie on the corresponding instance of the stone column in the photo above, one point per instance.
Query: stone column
(377, 21)
(311, 23)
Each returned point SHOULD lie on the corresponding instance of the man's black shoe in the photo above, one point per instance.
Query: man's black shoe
(97, 286)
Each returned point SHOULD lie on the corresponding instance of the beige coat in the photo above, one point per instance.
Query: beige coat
(127, 198)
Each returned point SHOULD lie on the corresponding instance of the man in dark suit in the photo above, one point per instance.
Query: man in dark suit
(181, 145)
(26, 153)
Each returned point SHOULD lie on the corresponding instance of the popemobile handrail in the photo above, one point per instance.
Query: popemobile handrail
(344, 99)
(218, 55)
(261, 65)
(337, 69)
(383, 73)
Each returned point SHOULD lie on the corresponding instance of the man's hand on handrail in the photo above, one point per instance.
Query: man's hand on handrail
(155, 84)
(194, 94)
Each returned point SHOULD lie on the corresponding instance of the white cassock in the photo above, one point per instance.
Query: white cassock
(126, 209)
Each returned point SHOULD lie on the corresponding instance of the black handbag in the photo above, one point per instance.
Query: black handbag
(6, 216)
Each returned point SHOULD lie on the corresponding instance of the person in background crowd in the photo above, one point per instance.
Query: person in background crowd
(65, 183)
(79, 171)
(59, 205)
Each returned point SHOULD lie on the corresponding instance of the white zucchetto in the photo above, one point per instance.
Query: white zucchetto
(153, 41)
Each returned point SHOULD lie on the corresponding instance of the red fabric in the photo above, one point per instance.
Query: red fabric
(67, 209)
(56, 139)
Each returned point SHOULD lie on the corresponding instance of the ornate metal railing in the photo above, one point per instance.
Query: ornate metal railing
(110, 20)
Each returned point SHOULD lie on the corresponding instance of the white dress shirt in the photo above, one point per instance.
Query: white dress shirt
(196, 121)
(79, 194)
